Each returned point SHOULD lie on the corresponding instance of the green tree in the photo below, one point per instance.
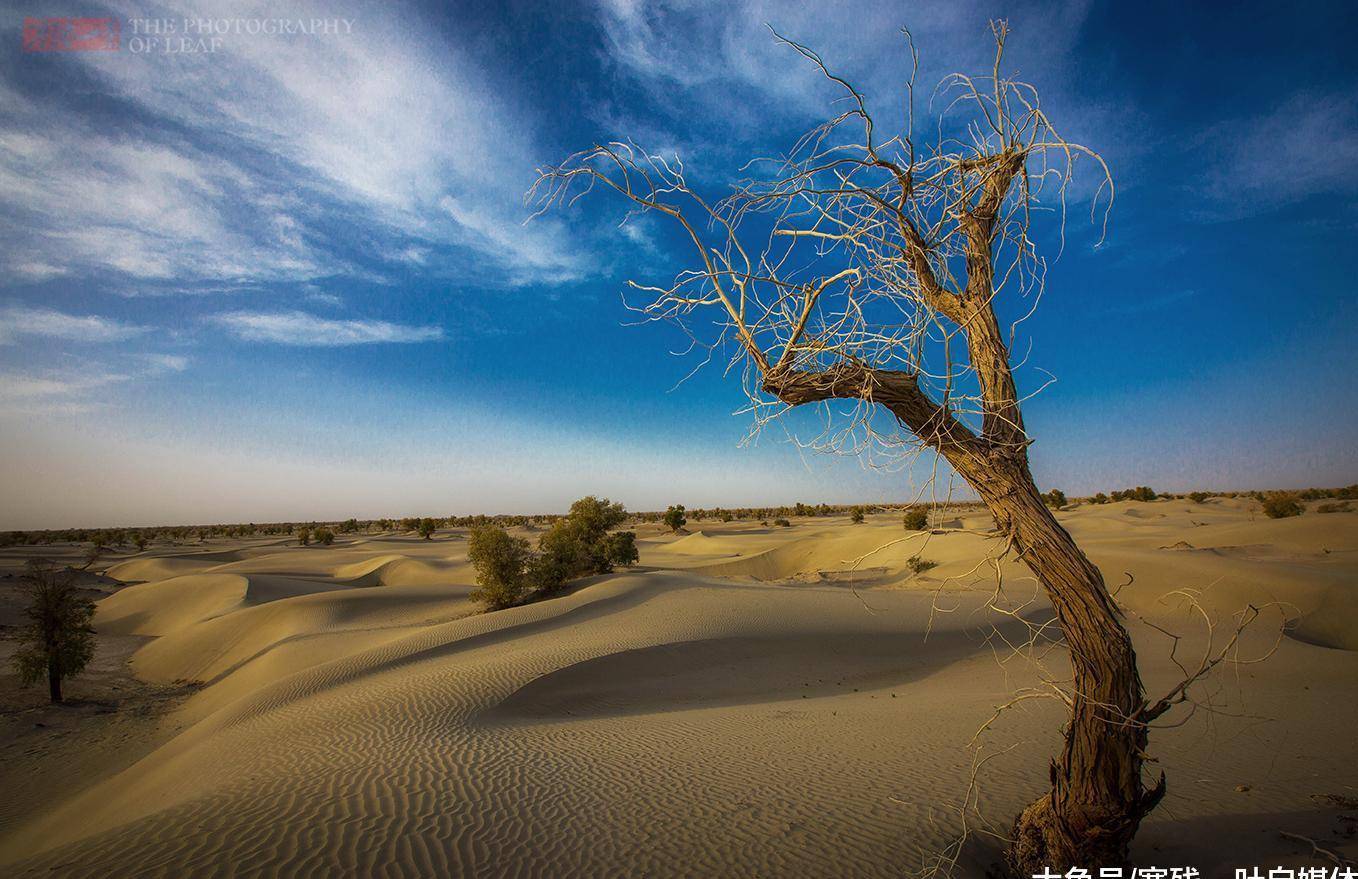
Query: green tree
(427, 528)
(1198, 497)
(499, 560)
(56, 639)
(916, 519)
(324, 536)
(1056, 498)
(303, 536)
(621, 548)
(856, 515)
(577, 544)
(674, 517)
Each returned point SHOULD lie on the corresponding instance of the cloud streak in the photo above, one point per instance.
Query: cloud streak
(308, 330)
(288, 158)
(48, 323)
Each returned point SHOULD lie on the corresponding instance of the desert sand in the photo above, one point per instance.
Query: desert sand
(749, 701)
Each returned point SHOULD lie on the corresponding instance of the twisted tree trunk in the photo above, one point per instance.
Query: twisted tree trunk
(1097, 800)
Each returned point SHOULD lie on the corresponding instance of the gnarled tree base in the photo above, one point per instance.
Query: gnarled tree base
(1042, 840)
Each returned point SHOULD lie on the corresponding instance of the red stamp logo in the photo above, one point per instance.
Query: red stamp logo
(72, 34)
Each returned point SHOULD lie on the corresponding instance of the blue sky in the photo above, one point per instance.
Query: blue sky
(290, 279)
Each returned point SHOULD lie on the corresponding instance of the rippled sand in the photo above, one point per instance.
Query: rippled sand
(752, 701)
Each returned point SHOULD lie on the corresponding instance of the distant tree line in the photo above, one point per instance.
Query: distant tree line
(427, 527)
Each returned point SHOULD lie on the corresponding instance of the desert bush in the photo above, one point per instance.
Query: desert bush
(580, 544)
(674, 517)
(919, 565)
(56, 639)
(1342, 507)
(916, 519)
(1140, 493)
(1099, 498)
(427, 527)
(1056, 498)
(856, 515)
(500, 561)
(303, 536)
(621, 549)
(1281, 505)
(782, 523)
(323, 536)
(1198, 497)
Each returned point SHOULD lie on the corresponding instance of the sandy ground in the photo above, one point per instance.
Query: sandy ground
(751, 701)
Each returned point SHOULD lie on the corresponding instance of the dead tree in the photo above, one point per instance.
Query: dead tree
(871, 275)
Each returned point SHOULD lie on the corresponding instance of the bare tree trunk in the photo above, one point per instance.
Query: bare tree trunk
(1097, 800)
(53, 679)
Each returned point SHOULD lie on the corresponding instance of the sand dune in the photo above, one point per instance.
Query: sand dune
(731, 710)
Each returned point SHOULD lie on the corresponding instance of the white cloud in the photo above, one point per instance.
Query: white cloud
(26, 394)
(72, 390)
(321, 297)
(300, 328)
(19, 320)
(167, 362)
(381, 123)
(87, 201)
(1306, 146)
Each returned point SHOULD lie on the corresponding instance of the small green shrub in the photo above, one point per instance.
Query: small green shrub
(856, 515)
(782, 523)
(916, 519)
(1198, 497)
(1281, 505)
(1056, 498)
(919, 565)
(323, 536)
(303, 536)
(1342, 507)
(1099, 498)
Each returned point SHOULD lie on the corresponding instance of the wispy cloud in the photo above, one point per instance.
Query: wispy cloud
(1305, 146)
(167, 362)
(19, 320)
(300, 328)
(279, 157)
(26, 394)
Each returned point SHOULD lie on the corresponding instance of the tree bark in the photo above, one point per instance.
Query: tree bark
(1097, 800)
(53, 679)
